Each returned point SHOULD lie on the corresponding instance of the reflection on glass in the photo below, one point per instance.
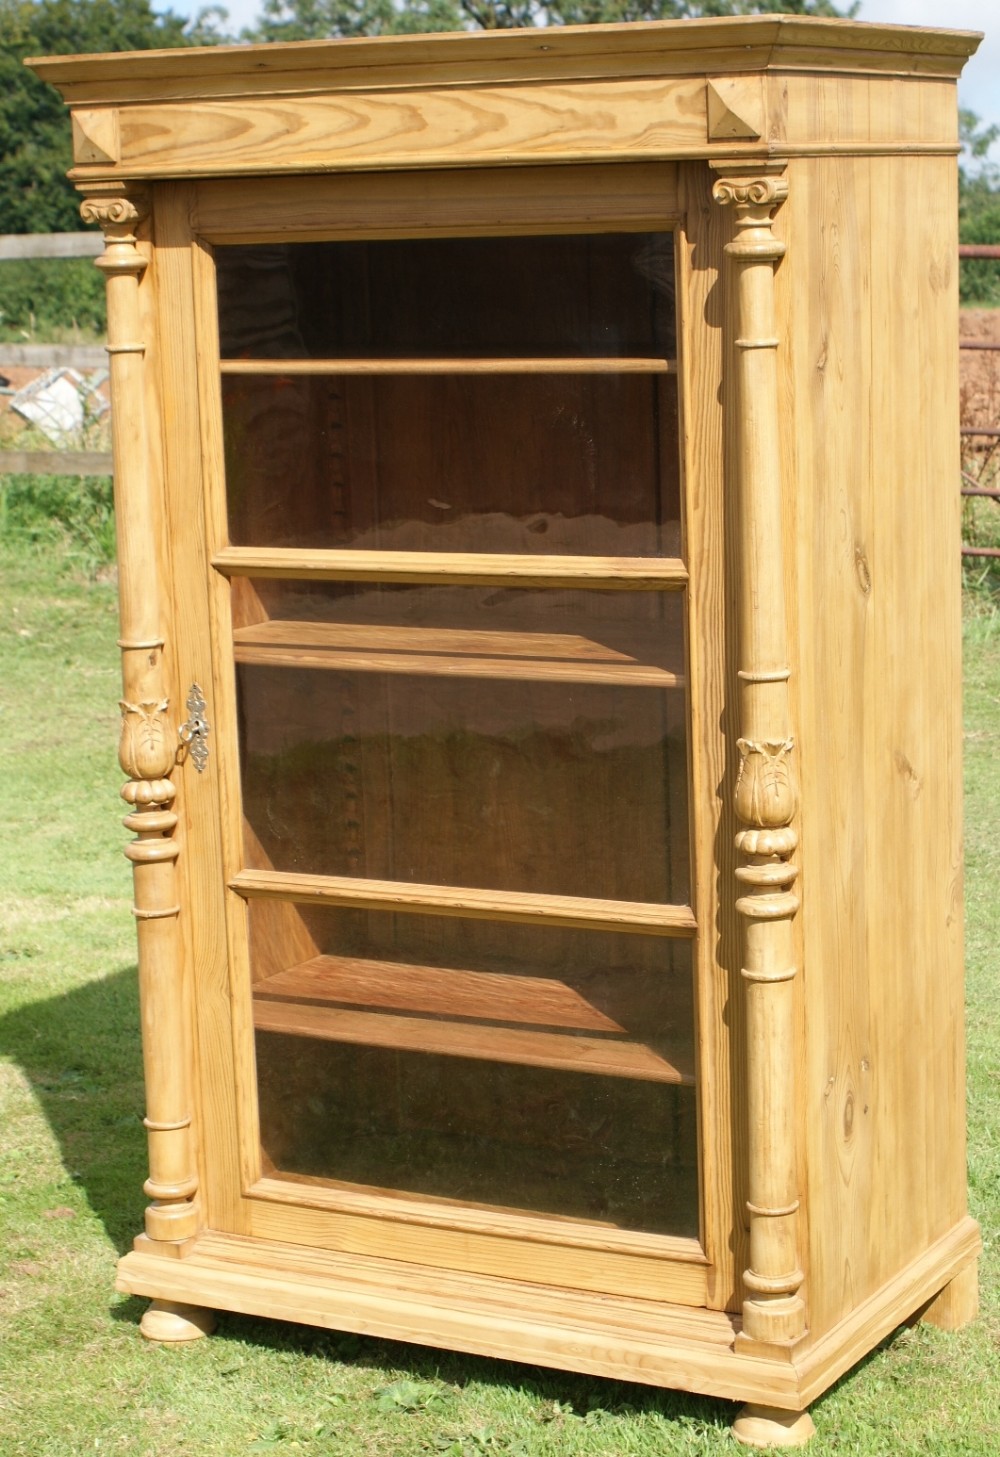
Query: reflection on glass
(533, 463)
(444, 1058)
(543, 463)
(566, 788)
(609, 295)
(531, 1139)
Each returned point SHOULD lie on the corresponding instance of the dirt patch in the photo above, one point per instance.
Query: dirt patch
(980, 368)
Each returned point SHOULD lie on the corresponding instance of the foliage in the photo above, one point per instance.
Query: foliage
(34, 131)
(979, 210)
(74, 514)
(314, 19)
(41, 297)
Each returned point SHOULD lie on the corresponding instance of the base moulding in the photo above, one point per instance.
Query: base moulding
(632, 1340)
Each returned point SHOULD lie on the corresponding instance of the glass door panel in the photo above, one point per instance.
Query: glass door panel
(477, 394)
(501, 462)
(559, 788)
(535, 1068)
(517, 752)
(608, 294)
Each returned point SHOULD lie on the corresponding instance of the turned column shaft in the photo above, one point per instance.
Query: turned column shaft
(765, 796)
(147, 749)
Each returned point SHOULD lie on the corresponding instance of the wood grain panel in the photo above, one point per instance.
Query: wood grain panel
(494, 1044)
(241, 1094)
(521, 656)
(711, 673)
(456, 1249)
(474, 202)
(437, 991)
(914, 854)
(427, 128)
(449, 366)
(825, 298)
(744, 43)
(200, 796)
(448, 901)
(455, 568)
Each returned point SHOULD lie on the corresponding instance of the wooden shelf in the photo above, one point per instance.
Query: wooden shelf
(456, 569)
(458, 365)
(639, 917)
(522, 656)
(488, 1016)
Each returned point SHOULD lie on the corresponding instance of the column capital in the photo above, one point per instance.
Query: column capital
(118, 209)
(755, 190)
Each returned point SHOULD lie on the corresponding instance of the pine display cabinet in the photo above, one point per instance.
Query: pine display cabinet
(536, 480)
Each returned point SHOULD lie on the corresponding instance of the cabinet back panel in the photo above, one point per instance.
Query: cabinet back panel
(560, 788)
(606, 295)
(534, 463)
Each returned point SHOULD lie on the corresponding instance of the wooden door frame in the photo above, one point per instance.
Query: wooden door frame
(188, 218)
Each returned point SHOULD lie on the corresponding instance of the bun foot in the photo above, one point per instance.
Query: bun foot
(166, 1320)
(769, 1426)
(957, 1304)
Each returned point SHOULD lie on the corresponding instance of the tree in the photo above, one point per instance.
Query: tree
(313, 19)
(978, 209)
(35, 196)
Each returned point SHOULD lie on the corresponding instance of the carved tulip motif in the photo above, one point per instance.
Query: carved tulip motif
(144, 750)
(765, 789)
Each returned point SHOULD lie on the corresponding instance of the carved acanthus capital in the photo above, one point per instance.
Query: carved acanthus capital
(118, 214)
(758, 192)
(755, 190)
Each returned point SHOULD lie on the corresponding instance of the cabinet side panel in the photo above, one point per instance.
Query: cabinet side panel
(870, 300)
(824, 288)
(914, 840)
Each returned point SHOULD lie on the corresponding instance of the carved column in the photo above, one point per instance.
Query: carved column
(765, 795)
(147, 749)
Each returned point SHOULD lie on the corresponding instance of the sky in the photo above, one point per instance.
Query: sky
(978, 90)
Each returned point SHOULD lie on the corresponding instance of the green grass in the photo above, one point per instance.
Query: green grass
(76, 1378)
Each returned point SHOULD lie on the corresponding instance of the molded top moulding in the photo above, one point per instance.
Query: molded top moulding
(760, 86)
(654, 48)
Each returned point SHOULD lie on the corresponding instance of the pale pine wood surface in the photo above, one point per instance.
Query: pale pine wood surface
(461, 652)
(916, 935)
(855, 528)
(455, 568)
(562, 910)
(640, 195)
(876, 592)
(711, 671)
(321, 999)
(824, 314)
(748, 43)
(175, 385)
(637, 1340)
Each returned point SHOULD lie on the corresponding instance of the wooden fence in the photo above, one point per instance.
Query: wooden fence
(53, 356)
(986, 432)
(93, 356)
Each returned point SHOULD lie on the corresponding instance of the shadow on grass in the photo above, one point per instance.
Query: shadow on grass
(81, 1055)
(566, 1393)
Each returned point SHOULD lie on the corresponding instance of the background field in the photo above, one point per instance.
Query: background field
(75, 1376)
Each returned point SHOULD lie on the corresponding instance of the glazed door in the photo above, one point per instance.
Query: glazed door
(453, 637)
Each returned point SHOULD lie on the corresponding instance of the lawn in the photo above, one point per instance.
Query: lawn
(75, 1376)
